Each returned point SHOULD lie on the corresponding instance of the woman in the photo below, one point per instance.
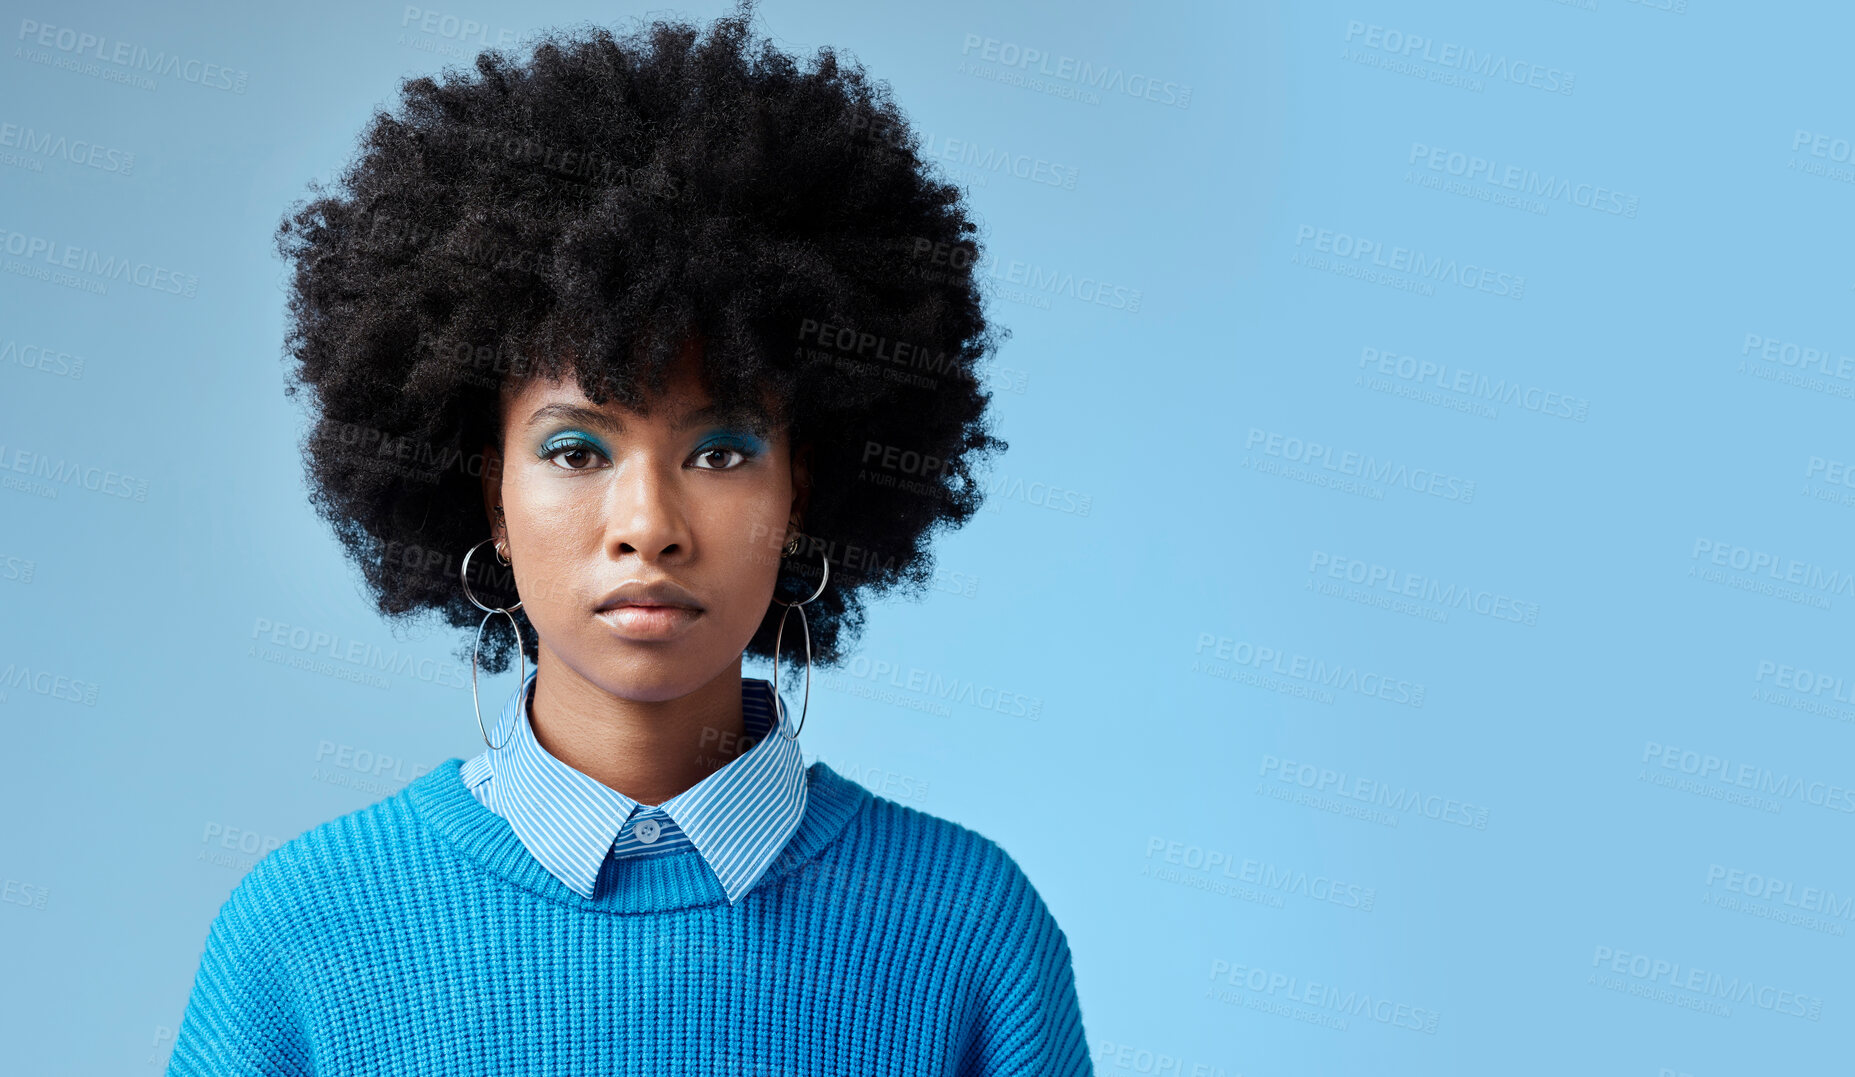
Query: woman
(686, 336)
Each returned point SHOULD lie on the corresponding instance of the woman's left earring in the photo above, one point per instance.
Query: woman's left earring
(792, 547)
(491, 611)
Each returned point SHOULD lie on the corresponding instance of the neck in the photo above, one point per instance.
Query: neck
(648, 749)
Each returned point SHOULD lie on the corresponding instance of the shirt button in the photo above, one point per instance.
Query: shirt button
(647, 830)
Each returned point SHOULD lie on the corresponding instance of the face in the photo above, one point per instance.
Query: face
(599, 499)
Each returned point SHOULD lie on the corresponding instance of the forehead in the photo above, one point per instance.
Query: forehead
(682, 388)
(521, 395)
(684, 402)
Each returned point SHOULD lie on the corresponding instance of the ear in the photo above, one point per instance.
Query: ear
(801, 482)
(492, 487)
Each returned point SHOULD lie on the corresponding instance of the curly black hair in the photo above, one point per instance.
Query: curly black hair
(591, 211)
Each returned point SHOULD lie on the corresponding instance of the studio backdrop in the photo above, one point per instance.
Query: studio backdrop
(1409, 632)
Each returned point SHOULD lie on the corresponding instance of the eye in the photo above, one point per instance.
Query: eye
(569, 449)
(743, 446)
(722, 449)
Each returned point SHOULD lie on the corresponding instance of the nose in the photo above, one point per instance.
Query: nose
(644, 512)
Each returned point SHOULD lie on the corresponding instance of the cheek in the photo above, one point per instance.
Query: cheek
(556, 534)
(743, 542)
(556, 516)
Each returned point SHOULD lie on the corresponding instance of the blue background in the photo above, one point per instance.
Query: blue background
(1591, 829)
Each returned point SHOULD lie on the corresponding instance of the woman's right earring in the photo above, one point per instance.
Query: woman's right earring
(508, 612)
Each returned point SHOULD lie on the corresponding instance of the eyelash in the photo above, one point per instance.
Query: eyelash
(561, 448)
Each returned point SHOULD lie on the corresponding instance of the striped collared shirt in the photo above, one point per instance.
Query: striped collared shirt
(738, 818)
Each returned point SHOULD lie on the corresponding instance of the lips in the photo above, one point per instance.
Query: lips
(664, 595)
(648, 622)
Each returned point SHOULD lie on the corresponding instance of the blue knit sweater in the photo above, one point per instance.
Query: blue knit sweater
(419, 936)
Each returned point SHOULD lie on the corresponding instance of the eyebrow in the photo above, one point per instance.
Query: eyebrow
(586, 416)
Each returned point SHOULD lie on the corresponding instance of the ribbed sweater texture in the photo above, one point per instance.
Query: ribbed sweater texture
(418, 936)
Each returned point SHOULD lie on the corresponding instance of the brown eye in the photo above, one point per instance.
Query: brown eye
(722, 451)
(578, 454)
(743, 447)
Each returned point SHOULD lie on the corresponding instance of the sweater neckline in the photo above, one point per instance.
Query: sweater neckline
(681, 880)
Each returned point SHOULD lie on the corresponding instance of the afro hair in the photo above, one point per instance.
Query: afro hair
(588, 212)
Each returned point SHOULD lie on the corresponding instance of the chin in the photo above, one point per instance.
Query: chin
(650, 673)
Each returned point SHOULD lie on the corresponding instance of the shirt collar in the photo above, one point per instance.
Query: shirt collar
(737, 818)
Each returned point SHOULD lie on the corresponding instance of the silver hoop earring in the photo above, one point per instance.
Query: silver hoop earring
(792, 547)
(520, 653)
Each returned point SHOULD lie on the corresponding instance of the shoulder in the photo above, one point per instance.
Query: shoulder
(952, 846)
(326, 871)
(1021, 1013)
(914, 854)
(895, 829)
